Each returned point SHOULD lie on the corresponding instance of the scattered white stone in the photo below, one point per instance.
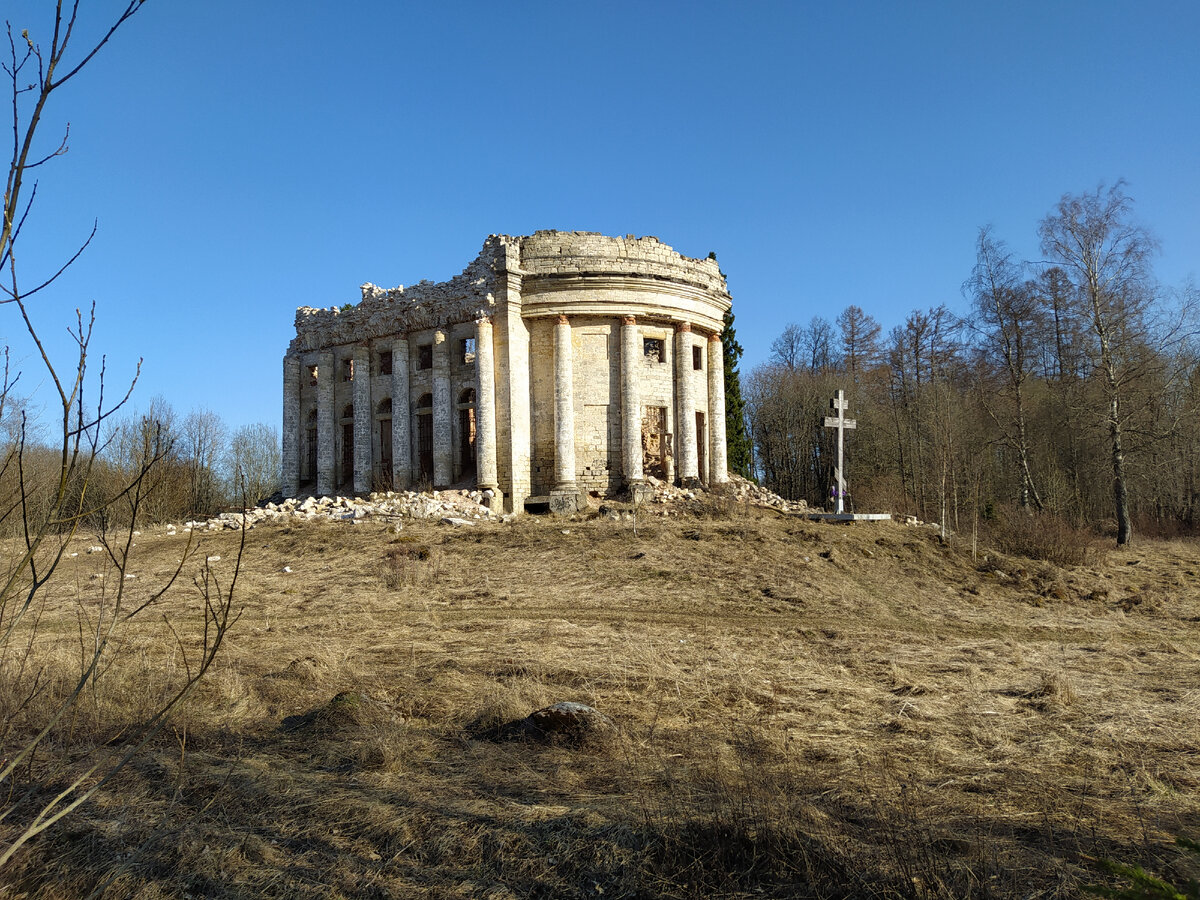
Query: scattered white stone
(216, 558)
(130, 576)
(95, 549)
(287, 570)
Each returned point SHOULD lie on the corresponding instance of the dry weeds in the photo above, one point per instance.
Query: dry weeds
(806, 710)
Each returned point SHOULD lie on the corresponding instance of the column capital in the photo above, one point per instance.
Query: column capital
(483, 320)
(683, 328)
(628, 320)
(714, 337)
(562, 320)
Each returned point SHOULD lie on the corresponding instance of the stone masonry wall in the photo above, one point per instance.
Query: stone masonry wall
(576, 252)
(597, 384)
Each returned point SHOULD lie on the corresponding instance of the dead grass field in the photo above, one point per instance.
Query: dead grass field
(807, 710)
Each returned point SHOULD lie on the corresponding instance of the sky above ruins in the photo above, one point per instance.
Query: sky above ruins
(243, 159)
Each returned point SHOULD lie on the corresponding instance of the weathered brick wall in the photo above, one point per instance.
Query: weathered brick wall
(597, 389)
(541, 404)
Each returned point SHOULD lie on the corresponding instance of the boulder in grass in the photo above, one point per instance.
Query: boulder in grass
(576, 724)
(572, 723)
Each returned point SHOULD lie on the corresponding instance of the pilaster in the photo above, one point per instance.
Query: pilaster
(289, 480)
(443, 411)
(325, 425)
(401, 417)
(363, 417)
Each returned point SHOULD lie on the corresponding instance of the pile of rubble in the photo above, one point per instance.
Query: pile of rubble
(746, 491)
(451, 507)
(740, 489)
(454, 507)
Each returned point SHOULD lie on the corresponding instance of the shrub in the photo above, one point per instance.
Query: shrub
(1041, 536)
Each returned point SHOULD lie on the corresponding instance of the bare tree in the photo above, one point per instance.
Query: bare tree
(1107, 256)
(787, 350)
(39, 705)
(254, 463)
(203, 435)
(1008, 314)
(859, 334)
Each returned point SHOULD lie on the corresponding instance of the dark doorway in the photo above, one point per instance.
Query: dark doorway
(385, 451)
(654, 442)
(425, 446)
(348, 453)
(466, 434)
(310, 448)
(701, 449)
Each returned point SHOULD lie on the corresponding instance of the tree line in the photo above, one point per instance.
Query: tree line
(186, 466)
(1070, 389)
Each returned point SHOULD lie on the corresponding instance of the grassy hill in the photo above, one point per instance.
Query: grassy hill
(804, 709)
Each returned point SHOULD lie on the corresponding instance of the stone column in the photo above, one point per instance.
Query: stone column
(510, 335)
(564, 498)
(485, 415)
(443, 412)
(631, 409)
(325, 425)
(718, 454)
(686, 426)
(401, 417)
(289, 481)
(364, 415)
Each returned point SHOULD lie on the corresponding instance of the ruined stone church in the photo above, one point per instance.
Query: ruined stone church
(556, 365)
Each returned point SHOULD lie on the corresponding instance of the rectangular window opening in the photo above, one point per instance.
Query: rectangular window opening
(467, 351)
(312, 376)
(385, 362)
(425, 356)
(697, 358)
(652, 348)
(347, 370)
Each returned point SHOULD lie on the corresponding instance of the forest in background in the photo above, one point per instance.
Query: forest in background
(1071, 389)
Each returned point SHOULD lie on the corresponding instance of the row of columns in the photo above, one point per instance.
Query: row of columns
(485, 412)
(631, 406)
(364, 415)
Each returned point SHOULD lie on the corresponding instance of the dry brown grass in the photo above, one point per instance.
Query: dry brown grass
(806, 710)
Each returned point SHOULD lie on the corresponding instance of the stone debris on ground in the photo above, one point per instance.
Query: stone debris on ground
(455, 508)
(746, 491)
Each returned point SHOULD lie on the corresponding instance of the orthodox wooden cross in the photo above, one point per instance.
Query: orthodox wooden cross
(841, 423)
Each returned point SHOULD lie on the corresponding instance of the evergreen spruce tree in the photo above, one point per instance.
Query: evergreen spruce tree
(737, 441)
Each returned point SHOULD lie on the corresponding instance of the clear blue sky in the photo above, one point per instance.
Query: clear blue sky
(245, 158)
